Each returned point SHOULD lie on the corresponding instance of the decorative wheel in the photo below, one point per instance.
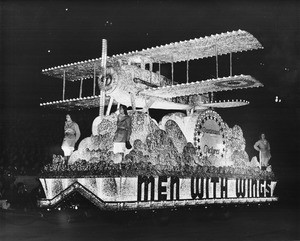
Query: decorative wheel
(209, 136)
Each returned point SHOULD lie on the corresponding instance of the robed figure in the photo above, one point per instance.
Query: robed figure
(72, 134)
(123, 132)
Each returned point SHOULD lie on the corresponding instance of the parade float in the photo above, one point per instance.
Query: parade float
(191, 157)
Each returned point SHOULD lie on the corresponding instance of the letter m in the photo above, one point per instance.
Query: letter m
(143, 185)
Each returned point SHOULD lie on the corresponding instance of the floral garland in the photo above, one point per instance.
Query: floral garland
(130, 169)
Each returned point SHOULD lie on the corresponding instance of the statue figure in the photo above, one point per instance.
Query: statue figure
(72, 134)
(263, 146)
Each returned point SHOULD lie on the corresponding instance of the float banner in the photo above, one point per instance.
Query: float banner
(162, 188)
(173, 188)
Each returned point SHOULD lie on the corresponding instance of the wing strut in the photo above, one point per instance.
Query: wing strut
(230, 58)
(187, 71)
(172, 65)
(64, 85)
(94, 82)
(217, 65)
(111, 100)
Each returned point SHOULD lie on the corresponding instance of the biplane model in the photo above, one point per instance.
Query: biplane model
(129, 78)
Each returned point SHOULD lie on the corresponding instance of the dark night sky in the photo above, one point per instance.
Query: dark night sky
(73, 31)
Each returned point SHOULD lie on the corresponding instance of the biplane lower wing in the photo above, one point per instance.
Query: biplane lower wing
(223, 104)
(202, 87)
(93, 102)
(76, 103)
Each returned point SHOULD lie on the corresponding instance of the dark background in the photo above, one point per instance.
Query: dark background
(40, 34)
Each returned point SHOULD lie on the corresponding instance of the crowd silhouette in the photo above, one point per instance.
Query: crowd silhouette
(28, 141)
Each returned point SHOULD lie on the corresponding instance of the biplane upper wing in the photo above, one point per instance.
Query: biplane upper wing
(198, 48)
(202, 87)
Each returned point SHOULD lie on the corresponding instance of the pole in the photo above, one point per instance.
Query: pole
(102, 91)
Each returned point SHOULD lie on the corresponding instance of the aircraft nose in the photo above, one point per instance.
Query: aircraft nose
(108, 79)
